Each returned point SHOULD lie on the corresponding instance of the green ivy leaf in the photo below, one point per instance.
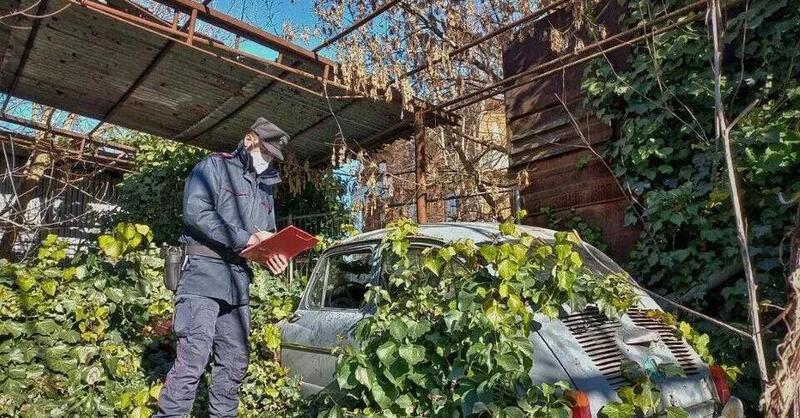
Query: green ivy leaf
(404, 401)
(676, 412)
(507, 269)
(9, 327)
(618, 410)
(110, 247)
(433, 264)
(447, 253)
(363, 376)
(49, 287)
(412, 353)
(508, 362)
(488, 252)
(387, 353)
(508, 228)
(398, 329)
(25, 283)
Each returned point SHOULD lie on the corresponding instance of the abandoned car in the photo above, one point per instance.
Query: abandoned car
(583, 348)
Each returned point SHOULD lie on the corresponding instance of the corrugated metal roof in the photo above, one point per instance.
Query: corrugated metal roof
(86, 58)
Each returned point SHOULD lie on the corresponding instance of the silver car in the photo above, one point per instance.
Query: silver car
(583, 348)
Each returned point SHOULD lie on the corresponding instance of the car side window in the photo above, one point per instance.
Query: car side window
(341, 280)
(415, 257)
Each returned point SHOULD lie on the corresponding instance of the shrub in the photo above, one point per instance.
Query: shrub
(91, 335)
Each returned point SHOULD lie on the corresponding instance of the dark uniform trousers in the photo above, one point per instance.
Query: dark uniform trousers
(204, 325)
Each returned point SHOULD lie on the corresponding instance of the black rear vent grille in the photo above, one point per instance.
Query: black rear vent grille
(679, 348)
(596, 335)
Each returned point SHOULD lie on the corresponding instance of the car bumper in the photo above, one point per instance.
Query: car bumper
(732, 409)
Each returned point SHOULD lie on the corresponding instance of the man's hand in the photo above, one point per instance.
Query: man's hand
(277, 263)
(258, 237)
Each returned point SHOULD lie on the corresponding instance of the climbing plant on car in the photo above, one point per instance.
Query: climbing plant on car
(450, 331)
(666, 153)
(641, 396)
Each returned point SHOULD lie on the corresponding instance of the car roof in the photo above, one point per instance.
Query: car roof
(453, 231)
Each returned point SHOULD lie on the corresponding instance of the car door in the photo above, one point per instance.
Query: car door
(326, 317)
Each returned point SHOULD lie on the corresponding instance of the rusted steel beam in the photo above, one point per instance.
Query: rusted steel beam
(243, 29)
(28, 123)
(166, 31)
(361, 22)
(575, 58)
(192, 26)
(420, 166)
(25, 142)
(533, 15)
(26, 52)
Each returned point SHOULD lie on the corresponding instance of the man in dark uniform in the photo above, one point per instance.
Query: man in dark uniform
(228, 205)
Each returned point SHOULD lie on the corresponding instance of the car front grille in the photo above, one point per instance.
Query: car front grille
(596, 335)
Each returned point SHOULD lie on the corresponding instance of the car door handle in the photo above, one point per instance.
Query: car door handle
(294, 317)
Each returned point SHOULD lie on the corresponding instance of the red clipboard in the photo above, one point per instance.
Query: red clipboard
(289, 242)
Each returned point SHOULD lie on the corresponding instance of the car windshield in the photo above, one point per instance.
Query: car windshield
(596, 261)
(341, 280)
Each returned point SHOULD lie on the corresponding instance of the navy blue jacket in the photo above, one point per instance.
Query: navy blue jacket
(224, 202)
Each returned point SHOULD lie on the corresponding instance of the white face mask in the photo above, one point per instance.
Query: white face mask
(260, 164)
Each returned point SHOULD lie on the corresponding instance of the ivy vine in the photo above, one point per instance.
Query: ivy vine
(660, 104)
(450, 332)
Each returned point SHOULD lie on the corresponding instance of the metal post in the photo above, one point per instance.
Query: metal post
(192, 25)
(516, 203)
(289, 221)
(419, 166)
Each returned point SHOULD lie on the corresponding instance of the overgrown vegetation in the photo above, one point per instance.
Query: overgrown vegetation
(154, 194)
(450, 333)
(90, 335)
(572, 222)
(93, 337)
(667, 155)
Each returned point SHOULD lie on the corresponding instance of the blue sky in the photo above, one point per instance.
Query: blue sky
(270, 15)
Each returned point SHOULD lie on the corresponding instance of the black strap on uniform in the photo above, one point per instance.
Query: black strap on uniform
(202, 250)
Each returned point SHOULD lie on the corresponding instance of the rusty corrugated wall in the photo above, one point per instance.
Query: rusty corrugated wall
(542, 117)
